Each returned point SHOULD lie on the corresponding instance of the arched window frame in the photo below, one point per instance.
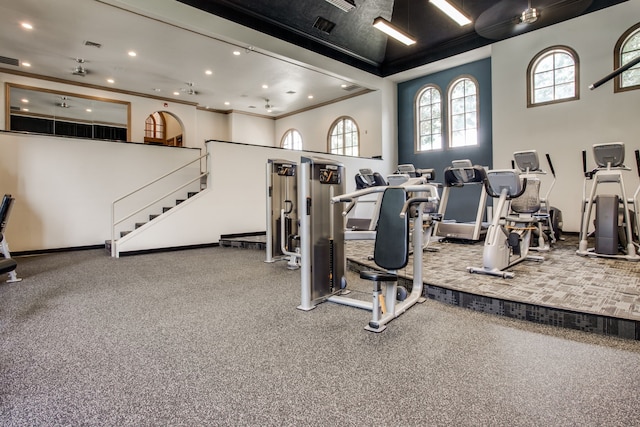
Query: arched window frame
(532, 72)
(344, 137)
(154, 127)
(428, 114)
(624, 51)
(292, 140)
(470, 112)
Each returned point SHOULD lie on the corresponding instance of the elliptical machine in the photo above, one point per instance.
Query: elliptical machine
(509, 234)
(617, 217)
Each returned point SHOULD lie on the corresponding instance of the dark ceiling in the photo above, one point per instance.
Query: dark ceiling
(354, 41)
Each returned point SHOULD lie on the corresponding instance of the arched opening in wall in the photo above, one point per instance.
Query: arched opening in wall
(163, 128)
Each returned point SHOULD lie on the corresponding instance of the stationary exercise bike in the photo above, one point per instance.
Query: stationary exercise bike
(617, 217)
(550, 225)
(509, 234)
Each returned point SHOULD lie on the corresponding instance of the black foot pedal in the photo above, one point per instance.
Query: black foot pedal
(514, 242)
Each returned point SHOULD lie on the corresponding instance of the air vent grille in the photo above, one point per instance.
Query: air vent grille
(9, 61)
(351, 87)
(324, 25)
(345, 5)
(92, 44)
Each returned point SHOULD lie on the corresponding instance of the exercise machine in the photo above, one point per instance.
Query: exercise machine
(282, 222)
(616, 216)
(462, 173)
(362, 214)
(509, 234)
(407, 173)
(322, 241)
(550, 224)
(7, 265)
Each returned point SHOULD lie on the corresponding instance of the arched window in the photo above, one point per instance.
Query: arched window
(292, 140)
(154, 128)
(553, 76)
(344, 137)
(627, 49)
(429, 119)
(463, 112)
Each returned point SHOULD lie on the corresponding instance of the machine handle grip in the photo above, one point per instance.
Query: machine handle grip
(513, 164)
(638, 161)
(288, 207)
(553, 172)
(413, 201)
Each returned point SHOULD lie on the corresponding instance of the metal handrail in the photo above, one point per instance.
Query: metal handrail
(114, 223)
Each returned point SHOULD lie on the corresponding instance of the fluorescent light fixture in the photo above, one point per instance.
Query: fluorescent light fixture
(386, 27)
(451, 11)
(345, 5)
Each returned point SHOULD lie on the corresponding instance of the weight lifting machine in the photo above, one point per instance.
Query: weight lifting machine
(322, 242)
(282, 204)
(7, 265)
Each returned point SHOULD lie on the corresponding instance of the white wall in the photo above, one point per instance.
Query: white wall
(64, 187)
(235, 201)
(564, 130)
(249, 129)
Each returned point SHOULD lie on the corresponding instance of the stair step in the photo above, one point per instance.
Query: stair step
(166, 209)
(124, 233)
(140, 224)
(153, 216)
(178, 201)
(191, 194)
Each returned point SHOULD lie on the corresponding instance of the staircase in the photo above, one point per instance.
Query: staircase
(179, 181)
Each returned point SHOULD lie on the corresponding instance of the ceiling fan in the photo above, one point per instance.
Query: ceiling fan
(509, 18)
(189, 90)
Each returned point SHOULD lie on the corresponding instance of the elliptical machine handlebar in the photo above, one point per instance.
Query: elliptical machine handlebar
(553, 172)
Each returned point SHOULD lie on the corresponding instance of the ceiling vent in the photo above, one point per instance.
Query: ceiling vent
(92, 44)
(351, 87)
(9, 61)
(324, 25)
(344, 5)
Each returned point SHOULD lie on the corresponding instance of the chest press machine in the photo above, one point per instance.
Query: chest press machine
(322, 241)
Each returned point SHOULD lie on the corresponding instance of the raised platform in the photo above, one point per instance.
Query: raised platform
(590, 294)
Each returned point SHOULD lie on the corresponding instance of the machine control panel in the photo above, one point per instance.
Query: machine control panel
(330, 174)
(286, 170)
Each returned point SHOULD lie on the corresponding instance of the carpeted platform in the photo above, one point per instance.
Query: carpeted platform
(585, 293)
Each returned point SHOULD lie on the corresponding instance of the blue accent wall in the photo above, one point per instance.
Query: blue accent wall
(462, 205)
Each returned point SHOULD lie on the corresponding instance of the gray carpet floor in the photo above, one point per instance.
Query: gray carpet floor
(212, 337)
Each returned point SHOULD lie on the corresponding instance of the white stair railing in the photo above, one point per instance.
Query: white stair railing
(115, 222)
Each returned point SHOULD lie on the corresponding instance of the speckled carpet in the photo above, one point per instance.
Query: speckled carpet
(211, 337)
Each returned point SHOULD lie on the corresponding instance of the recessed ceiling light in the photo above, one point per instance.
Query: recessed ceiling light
(343, 85)
(88, 110)
(25, 100)
(111, 81)
(176, 93)
(310, 96)
(132, 53)
(25, 109)
(227, 103)
(26, 64)
(156, 89)
(26, 26)
(265, 86)
(236, 52)
(208, 72)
